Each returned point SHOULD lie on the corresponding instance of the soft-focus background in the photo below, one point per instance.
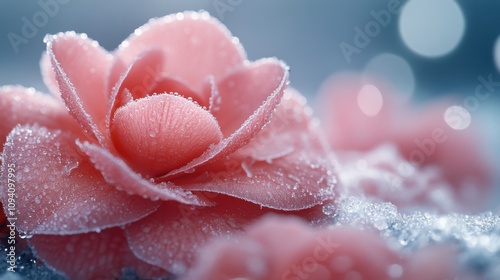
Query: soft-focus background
(427, 48)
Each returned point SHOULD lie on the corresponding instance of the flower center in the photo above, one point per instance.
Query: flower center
(162, 132)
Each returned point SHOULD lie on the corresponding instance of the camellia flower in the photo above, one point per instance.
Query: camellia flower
(140, 155)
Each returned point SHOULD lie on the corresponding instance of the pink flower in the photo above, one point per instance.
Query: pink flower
(286, 248)
(173, 138)
(361, 113)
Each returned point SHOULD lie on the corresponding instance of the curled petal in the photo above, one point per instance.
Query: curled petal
(195, 46)
(101, 255)
(58, 190)
(284, 167)
(49, 75)
(80, 67)
(244, 90)
(133, 81)
(117, 173)
(251, 126)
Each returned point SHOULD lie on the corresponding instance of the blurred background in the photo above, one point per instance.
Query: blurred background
(441, 46)
(425, 48)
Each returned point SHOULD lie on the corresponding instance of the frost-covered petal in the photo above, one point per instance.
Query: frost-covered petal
(117, 173)
(171, 237)
(166, 84)
(81, 68)
(158, 133)
(132, 82)
(101, 255)
(58, 189)
(19, 105)
(286, 248)
(195, 46)
(49, 75)
(244, 90)
(285, 166)
(252, 125)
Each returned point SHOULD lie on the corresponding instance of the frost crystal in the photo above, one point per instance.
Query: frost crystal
(476, 236)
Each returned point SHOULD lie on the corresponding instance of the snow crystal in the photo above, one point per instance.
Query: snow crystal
(477, 236)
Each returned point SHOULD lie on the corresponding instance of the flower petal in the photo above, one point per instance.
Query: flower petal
(285, 166)
(136, 79)
(81, 68)
(252, 125)
(244, 90)
(195, 46)
(117, 173)
(101, 255)
(19, 105)
(170, 237)
(49, 75)
(58, 190)
(158, 133)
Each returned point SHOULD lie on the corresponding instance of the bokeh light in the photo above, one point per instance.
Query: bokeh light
(432, 28)
(457, 117)
(394, 69)
(370, 100)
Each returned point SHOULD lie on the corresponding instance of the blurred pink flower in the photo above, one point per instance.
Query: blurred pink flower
(287, 248)
(361, 113)
(172, 122)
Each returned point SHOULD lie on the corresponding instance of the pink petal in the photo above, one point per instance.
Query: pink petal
(19, 105)
(252, 125)
(284, 167)
(244, 90)
(286, 248)
(49, 75)
(117, 173)
(170, 237)
(58, 190)
(140, 75)
(173, 85)
(195, 46)
(101, 255)
(81, 68)
(158, 133)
